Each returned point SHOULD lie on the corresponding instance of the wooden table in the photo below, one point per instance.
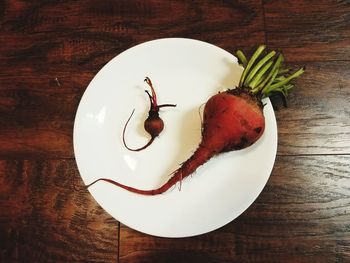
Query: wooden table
(50, 51)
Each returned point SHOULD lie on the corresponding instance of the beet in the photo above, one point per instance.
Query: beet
(154, 125)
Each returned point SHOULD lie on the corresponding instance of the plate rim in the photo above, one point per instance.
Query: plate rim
(75, 134)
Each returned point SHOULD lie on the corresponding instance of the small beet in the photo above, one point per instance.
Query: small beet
(154, 125)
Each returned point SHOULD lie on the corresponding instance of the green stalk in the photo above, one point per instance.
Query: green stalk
(283, 71)
(271, 76)
(259, 64)
(250, 63)
(258, 77)
(264, 75)
(286, 80)
(264, 90)
(242, 58)
(279, 78)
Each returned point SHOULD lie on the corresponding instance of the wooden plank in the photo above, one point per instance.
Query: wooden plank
(302, 215)
(40, 38)
(47, 215)
(42, 32)
(317, 119)
(309, 30)
(37, 123)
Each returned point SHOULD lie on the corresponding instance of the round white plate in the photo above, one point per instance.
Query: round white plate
(186, 72)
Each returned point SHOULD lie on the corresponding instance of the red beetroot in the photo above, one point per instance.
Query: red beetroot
(232, 119)
(154, 125)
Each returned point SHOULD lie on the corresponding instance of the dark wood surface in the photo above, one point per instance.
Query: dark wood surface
(50, 51)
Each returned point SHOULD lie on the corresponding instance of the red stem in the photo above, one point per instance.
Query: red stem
(200, 156)
(166, 105)
(154, 95)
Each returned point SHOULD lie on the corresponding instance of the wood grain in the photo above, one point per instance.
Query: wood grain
(37, 123)
(150, 15)
(84, 35)
(302, 215)
(47, 215)
(309, 30)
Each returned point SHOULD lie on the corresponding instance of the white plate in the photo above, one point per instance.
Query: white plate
(186, 72)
